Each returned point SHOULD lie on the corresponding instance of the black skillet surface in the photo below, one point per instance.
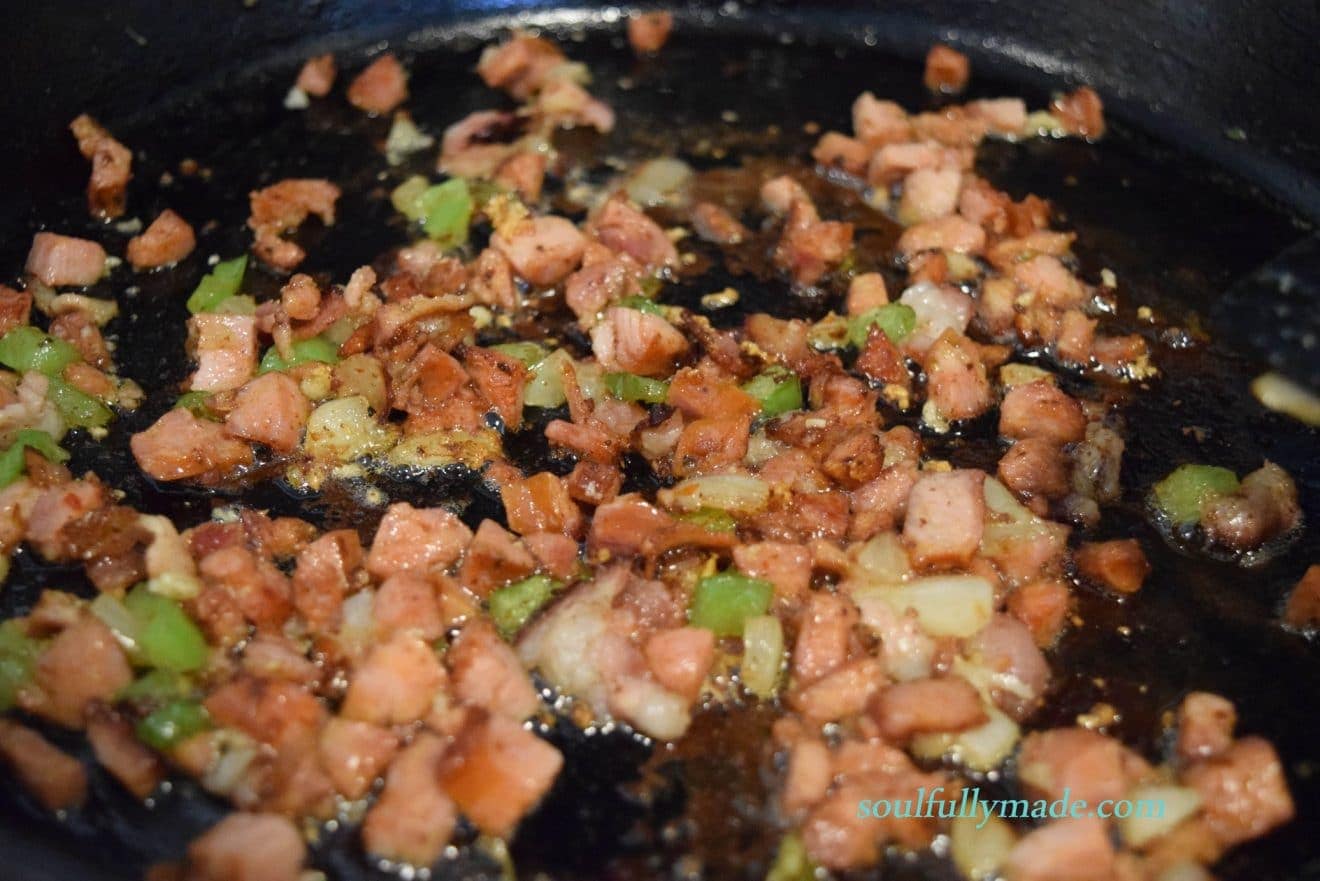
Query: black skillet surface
(1175, 230)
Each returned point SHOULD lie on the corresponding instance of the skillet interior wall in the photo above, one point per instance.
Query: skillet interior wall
(269, 34)
(1228, 79)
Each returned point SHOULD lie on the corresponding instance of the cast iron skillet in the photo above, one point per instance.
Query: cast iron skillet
(1152, 202)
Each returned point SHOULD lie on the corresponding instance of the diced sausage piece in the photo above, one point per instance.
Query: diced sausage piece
(55, 779)
(823, 636)
(956, 381)
(952, 233)
(866, 292)
(1118, 565)
(648, 31)
(1049, 282)
(1040, 409)
(354, 754)
(879, 122)
(270, 410)
(808, 776)
(412, 820)
(1043, 607)
(486, 673)
(541, 503)
(841, 694)
(1064, 850)
(555, 554)
(1006, 647)
(64, 261)
(225, 348)
(248, 847)
(1087, 764)
(945, 517)
(633, 341)
(1244, 791)
(1264, 506)
(500, 379)
(835, 150)
(929, 194)
(112, 166)
(881, 505)
(624, 229)
(317, 76)
(925, 706)
(542, 250)
(497, 771)
(1205, 726)
(167, 240)
(259, 590)
(1005, 116)
(715, 224)
(1081, 111)
(57, 507)
(180, 445)
(564, 103)
(321, 577)
(947, 70)
(780, 194)
(680, 658)
(1303, 609)
(380, 87)
(276, 712)
(809, 247)
(406, 603)
(15, 308)
(84, 663)
(1036, 468)
(494, 559)
(396, 684)
(524, 173)
(120, 752)
(416, 539)
(786, 566)
(282, 207)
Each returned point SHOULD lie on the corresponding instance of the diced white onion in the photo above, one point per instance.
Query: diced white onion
(344, 429)
(545, 385)
(735, 493)
(1173, 804)
(883, 559)
(946, 605)
(980, 852)
(658, 181)
(115, 615)
(982, 748)
(763, 654)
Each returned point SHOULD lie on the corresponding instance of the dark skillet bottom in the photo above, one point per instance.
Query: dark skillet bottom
(1174, 232)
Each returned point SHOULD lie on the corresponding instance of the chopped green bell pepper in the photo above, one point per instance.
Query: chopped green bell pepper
(79, 409)
(12, 462)
(778, 390)
(26, 348)
(722, 602)
(513, 605)
(218, 285)
(897, 320)
(167, 637)
(1183, 494)
(314, 349)
(631, 387)
(173, 723)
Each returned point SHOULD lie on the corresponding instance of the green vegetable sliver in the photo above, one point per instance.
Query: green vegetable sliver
(446, 212)
(631, 387)
(156, 688)
(173, 723)
(527, 352)
(897, 320)
(304, 351)
(711, 519)
(791, 861)
(1183, 494)
(723, 602)
(513, 605)
(18, 655)
(196, 403)
(80, 410)
(12, 462)
(778, 390)
(26, 349)
(406, 197)
(167, 637)
(218, 285)
(642, 304)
